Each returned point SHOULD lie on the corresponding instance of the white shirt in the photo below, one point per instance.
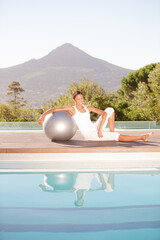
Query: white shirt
(83, 121)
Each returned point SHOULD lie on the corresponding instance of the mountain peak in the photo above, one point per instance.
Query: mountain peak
(66, 55)
(66, 45)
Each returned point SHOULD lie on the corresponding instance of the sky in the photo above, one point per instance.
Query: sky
(123, 32)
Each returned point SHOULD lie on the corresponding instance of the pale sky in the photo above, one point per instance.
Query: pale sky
(123, 32)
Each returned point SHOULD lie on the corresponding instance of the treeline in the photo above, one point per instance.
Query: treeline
(16, 110)
(138, 98)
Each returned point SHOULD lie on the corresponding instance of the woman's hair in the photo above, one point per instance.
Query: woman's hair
(74, 95)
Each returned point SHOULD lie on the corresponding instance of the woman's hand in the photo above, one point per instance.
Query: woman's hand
(100, 135)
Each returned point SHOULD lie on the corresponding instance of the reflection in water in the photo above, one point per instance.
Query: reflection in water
(79, 183)
(131, 211)
(58, 182)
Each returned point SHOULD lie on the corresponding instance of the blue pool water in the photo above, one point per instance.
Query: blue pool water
(79, 206)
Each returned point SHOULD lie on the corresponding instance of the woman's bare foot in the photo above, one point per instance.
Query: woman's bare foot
(147, 135)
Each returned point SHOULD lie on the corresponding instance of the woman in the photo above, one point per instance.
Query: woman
(94, 131)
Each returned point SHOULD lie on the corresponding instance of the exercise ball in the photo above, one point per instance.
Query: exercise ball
(60, 181)
(59, 126)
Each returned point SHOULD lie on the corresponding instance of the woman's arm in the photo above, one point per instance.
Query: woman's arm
(68, 109)
(104, 115)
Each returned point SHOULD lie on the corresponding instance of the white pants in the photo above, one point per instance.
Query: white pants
(107, 136)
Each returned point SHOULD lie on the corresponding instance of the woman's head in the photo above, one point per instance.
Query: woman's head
(76, 93)
(78, 97)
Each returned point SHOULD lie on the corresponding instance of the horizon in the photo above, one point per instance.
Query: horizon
(123, 33)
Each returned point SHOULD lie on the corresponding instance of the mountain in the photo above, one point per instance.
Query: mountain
(52, 74)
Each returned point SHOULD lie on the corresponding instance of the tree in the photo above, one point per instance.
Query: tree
(154, 83)
(15, 90)
(26, 114)
(5, 113)
(141, 107)
(138, 96)
(130, 83)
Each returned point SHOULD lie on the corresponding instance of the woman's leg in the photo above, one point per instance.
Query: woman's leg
(123, 138)
(109, 119)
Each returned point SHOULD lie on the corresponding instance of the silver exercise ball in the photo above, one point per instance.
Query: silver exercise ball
(59, 126)
(61, 181)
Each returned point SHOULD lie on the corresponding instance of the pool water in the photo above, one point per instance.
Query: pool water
(62, 205)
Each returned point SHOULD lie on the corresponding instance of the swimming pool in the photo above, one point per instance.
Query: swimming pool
(80, 205)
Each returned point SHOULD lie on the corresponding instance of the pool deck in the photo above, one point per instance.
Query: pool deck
(37, 142)
(32, 151)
